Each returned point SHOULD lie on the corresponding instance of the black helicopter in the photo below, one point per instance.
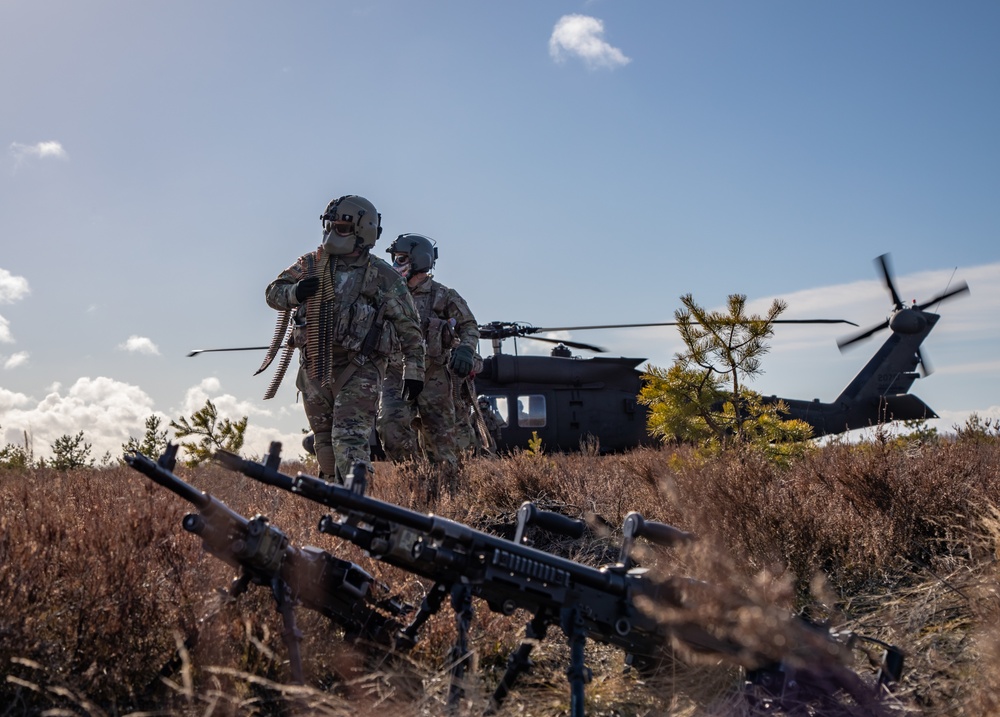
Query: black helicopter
(566, 401)
(570, 403)
(880, 391)
(573, 403)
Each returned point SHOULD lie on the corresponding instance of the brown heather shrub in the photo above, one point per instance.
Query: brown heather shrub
(99, 584)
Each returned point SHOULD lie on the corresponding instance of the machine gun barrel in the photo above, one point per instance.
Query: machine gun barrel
(344, 500)
(445, 546)
(266, 472)
(163, 476)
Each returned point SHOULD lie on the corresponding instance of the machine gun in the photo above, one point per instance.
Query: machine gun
(585, 602)
(337, 589)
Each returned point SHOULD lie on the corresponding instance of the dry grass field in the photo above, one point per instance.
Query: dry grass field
(100, 586)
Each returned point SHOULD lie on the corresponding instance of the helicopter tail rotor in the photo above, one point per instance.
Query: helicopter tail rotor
(899, 320)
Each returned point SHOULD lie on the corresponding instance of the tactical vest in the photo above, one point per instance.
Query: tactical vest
(439, 332)
(343, 315)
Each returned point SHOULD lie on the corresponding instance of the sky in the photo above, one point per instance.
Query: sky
(577, 162)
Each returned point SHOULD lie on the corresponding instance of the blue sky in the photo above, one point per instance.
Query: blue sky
(578, 163)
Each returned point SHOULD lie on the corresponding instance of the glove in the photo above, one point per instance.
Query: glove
(306, 288)
(411, 389)
(461, 361)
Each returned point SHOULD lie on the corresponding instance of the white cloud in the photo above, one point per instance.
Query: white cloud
(18, 359)
(10, 400)
(139, 345)
(108, 412)
(12, 288)
(582, 36)
(41, 150)
(227, 405)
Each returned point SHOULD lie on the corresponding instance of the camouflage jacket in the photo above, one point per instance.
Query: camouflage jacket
(354, 294)
(445, 318)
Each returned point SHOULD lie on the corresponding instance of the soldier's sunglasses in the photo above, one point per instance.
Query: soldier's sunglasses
(341, 228)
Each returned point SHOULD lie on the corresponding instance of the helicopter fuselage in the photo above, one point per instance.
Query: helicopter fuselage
(568, 402)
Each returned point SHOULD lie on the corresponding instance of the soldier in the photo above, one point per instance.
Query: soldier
(351, 312)
(494, 421)
(470, 438)
(451, 335)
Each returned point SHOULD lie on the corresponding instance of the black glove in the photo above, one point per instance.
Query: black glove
(411, 389)
(461, 361)
(306, 288)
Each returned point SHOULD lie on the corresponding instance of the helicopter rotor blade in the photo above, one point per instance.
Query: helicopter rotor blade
(571, 344)
(676, 323)
(962, 288)
(883, 263)
(924, 363)
(242, 348)
(847, 341)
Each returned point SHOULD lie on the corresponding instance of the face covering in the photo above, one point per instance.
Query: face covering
(401, 263)
(335, 241)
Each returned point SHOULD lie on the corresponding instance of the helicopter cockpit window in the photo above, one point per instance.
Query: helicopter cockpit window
(531, 411)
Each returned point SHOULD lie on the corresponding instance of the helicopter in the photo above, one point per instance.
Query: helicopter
(572, 403)
(568, 402)
(563, 400)
(879, 393)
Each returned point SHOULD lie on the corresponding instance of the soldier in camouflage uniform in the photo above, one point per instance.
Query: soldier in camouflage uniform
(470, 442)
(352, 311)
(492, 418)
(451, 335)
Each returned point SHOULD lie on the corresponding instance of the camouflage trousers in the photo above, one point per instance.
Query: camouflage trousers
(343, 423)
(428, 430)
(468, 440)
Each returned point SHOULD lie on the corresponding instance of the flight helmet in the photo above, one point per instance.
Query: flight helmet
(350, 223)
(413, 254)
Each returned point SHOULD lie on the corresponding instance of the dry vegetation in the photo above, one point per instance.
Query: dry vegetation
(100, 586)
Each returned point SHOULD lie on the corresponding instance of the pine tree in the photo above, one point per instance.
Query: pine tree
(69, 452)
(215, 434)
(703, 398)
(15, 456)
(154, 441)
